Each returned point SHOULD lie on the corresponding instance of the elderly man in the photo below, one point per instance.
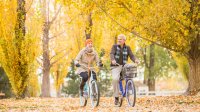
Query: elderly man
(119, 55)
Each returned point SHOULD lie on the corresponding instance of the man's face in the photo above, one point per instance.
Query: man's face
(120, 41)
(90, 45)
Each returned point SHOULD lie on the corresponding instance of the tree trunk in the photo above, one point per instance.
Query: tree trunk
(20, 24)
(194, 65)
(88, 30)
(151, 79)
(19, 36)
(151, 84)
(146, 74)
(45, 44)
(46, 62)
(58, 92)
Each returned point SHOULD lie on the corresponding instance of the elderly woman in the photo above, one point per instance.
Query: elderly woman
(87, 56)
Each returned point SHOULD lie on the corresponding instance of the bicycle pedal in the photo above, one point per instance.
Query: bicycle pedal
(85, 94)
(95, 99)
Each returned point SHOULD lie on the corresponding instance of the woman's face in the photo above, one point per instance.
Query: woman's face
(90, 45)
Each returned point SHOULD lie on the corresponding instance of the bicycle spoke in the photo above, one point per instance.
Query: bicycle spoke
(130, 93)
(83, 100)
(94, 94)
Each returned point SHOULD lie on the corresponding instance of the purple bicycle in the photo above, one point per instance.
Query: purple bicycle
(129, 71)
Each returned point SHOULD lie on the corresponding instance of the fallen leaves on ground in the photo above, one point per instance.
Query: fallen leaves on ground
(143, 104)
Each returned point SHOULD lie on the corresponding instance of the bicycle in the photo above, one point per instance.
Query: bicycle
(90, 89)
(129, 71)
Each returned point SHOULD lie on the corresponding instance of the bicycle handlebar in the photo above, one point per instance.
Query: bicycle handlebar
(89, 67)
(127, 63)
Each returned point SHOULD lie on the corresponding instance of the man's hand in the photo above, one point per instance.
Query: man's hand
(114, 62)
(100, 64)
(78, 65)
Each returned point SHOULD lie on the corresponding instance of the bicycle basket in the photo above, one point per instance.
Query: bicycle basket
(129, 71)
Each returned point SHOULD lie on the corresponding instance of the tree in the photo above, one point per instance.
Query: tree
(182, 63)
(18, 46)
(172, 25)
(73, 82)
(46, 59)
(5, 85)
(158, 63)
(149, 76)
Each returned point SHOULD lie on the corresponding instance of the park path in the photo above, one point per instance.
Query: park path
(144, 104)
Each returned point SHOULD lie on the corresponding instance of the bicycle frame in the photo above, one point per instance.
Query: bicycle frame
(123, 89)
(91, 78)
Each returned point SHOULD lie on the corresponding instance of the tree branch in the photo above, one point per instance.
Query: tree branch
(54, 18)
(178, 21)
(48, 10)
(39, 61)
(29, 6)
(57, 54)
(133, 32)
(58, 59)
(57, 35)
(124, 6)
(144, 52)
(154, 32)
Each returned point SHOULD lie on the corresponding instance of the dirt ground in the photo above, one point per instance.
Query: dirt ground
(143, 104)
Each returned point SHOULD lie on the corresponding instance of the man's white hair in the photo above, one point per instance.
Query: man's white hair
(122, 36)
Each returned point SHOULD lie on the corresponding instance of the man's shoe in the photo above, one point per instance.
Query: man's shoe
(116, 100)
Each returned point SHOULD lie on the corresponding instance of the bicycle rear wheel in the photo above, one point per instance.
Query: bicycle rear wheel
(130, 93)
(95, 94)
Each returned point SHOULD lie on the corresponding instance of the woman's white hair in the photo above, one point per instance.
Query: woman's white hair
(122, 36)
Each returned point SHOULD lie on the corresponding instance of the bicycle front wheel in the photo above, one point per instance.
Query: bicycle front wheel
(83, 100)
(130, 93)
(95, 94)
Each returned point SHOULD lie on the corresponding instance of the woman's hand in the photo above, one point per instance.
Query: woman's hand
(77, 65)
